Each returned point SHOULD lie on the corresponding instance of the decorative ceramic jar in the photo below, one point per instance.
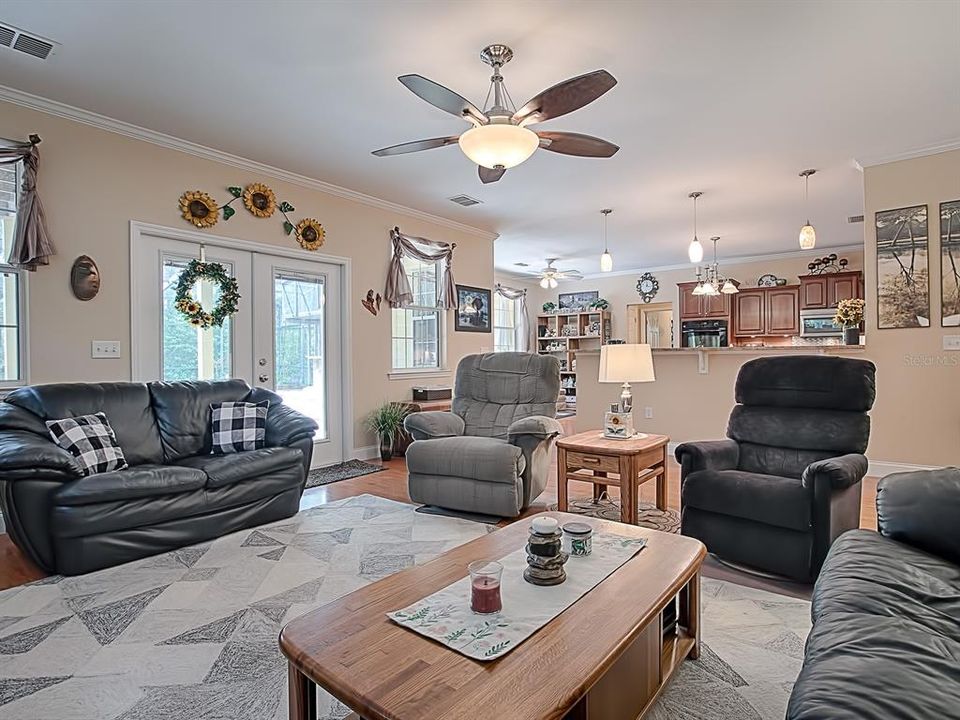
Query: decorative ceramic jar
(577, 539)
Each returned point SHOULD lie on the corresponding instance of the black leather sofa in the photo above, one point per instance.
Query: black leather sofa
(886, 611)
(174, 493)
(786, 482)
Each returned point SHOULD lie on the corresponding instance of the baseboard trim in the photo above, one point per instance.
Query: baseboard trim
(368, 452)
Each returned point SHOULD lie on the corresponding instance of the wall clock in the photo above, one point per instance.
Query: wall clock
(647, 287)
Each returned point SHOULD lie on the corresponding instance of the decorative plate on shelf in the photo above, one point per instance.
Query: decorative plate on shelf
(647, 287)
(767, 280)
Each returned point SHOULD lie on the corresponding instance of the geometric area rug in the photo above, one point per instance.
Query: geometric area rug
(192, 634)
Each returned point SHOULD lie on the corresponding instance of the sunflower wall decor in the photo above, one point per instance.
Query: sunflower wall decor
(259, 199)
(199, 208)
(310, 234)
(190, 308)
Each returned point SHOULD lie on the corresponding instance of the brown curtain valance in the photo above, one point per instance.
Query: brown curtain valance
(32, 245)
(397, 291)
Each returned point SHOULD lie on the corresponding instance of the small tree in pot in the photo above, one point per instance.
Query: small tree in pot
(387, 422)
(849, 316)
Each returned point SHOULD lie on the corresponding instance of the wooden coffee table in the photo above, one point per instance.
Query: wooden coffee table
(590, 457)
(604, 658)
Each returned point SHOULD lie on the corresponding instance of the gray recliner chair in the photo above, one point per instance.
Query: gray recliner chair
(492, 453)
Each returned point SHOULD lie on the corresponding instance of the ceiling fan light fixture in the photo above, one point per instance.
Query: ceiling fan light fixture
(499, 145)
(553, 283)
(544, 283)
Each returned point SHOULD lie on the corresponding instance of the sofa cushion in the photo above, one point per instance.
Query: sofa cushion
(868, 574)
(183, 413)
(477, 458)
(136, 482)
(91, 440)
(769, 499)
(127, 405)
(228, 469)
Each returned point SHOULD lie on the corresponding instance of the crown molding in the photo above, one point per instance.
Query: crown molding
(816, 252)
(873, 160)
(102, 122)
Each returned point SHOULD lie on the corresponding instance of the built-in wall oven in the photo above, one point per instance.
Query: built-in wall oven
(819, 323)
(704, 333)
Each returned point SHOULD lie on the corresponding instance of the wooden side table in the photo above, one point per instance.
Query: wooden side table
(590, 457)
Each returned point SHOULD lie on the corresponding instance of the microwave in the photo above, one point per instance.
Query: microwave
(819, 323)
(703, 333)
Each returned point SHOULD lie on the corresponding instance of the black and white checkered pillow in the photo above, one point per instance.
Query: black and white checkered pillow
(238, 426)
(91, 440)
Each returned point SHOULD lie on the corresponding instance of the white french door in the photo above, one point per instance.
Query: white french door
(285, 336)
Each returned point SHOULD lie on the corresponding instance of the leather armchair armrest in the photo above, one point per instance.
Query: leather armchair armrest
(539, 426)
(921, 509)
(433, 424)
(708, 455)
(27, 456)
(841, 472)
(285, 425)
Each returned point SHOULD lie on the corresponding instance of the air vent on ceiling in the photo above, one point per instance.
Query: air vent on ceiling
(522, 264)
(464, 200)
(25, 43)
(855, 219)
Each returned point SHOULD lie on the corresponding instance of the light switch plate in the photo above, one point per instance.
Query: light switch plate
(105, 349)
(648, 413)
(951, 342)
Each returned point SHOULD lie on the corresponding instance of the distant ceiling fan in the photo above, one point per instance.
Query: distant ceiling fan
(550, 276)
(500, 138)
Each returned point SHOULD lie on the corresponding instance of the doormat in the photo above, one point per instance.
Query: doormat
(341, 471)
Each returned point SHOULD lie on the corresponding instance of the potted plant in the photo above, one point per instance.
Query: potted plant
(849, 316)
(599, 304)
(387, 422)
(549, 307)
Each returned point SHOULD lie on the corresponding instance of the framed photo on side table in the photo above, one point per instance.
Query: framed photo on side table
(473, 309)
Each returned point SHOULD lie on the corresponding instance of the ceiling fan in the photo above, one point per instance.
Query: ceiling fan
(550, 276)
(500, 138)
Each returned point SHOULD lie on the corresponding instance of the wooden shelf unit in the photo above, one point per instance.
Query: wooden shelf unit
(566, 346)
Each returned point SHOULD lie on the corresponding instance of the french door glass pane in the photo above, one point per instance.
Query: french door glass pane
(299, 348)
(191, 353)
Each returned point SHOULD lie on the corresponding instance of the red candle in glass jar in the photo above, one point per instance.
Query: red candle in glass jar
(485, 587)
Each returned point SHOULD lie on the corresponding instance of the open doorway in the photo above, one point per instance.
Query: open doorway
(651, 324)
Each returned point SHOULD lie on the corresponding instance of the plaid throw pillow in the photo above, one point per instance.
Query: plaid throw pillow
(91, 440)
(238, 426)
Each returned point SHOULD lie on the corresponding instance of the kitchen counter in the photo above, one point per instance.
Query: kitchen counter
(767, 349)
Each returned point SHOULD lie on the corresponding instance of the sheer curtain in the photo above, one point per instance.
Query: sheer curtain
(32, 245)
(523, 321)
(397, 291)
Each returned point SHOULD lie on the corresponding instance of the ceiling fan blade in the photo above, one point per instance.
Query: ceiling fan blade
(443, 98)
(565, 97)
(416, 146)
(490, 176)
(569, 143)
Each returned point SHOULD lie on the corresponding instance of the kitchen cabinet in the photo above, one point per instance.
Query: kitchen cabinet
(767, 311)
(696, 307)
(820, 292)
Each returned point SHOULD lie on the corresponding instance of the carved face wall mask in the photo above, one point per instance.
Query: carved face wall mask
(85, 278)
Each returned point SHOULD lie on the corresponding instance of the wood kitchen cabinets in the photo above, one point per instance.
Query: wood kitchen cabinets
(696, 307)
(825, 291)
(767, 311)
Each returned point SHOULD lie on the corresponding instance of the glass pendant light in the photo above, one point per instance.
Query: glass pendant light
(695, 250)
(729, 288)
(606, 260)
(808, 236)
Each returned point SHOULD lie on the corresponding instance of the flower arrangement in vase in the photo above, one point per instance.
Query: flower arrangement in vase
(849, 316)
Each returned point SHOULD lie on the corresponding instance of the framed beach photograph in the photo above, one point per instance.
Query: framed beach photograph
(903, 281)
(950, 263)
(473, 309)
(577, 301)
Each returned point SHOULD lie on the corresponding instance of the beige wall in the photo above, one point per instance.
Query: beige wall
(93, 182)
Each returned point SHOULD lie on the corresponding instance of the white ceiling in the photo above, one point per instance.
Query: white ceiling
(731, 98)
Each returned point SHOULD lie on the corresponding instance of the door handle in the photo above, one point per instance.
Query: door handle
(263, 377)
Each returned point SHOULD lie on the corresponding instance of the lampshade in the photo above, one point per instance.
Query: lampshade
(499, 145)
(695, 251)
(553, 283)
(606, 262)
(626, 363)
(808, 237)
(729, 288)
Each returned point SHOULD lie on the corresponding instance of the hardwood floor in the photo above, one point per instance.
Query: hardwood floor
(16, 569)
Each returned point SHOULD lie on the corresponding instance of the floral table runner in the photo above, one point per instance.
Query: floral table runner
(447, 618)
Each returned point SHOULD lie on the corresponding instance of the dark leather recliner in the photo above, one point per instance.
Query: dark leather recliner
(174, 493)
(786, 482)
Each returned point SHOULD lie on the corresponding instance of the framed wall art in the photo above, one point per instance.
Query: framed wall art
(577, 301)
(903, 282)
(473, 309)
(950, 263)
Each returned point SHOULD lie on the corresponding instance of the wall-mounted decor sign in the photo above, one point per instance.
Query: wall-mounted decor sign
(577, 301)
(950, 263)
(903, 283)
(473, 309)
(85, 278)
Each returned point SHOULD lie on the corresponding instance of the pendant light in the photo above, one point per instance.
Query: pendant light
(606, 260)
(808, 236)
(695, 251)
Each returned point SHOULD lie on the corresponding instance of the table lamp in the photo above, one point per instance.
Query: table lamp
(624, 363)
